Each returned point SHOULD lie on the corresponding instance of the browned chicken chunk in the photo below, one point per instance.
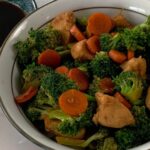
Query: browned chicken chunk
(147, 101)
(121, 21)
(64, 22)
(80, 51)
(111, 112)
(137, 65)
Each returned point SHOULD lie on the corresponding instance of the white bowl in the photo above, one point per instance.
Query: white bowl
(134, 10)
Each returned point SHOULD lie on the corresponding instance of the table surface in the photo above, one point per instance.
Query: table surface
(10, 138)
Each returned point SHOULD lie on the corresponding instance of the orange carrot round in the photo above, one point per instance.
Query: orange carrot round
(73, 102)
(130, 54)
(93, 44)
(49, 58)
(122, 100)
(79, 36)
(27, 95)
(62, 70)
(80, 78)
(99, 23)
(117, 56)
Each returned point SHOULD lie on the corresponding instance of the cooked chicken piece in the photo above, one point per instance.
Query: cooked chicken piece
(121, 21)
(137, 65)
(80, 51)
(147, 101)
(64, 22)
(111, 112)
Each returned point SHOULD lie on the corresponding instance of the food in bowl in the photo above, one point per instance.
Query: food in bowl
(85, 81)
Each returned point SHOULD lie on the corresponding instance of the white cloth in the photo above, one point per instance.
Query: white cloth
(10, 138)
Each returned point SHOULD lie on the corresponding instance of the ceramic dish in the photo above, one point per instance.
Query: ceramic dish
(134, 10)
(27, 6)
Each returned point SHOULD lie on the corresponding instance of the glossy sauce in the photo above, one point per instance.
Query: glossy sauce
(10, 15)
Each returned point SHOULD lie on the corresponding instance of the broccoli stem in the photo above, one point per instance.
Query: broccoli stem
(96, 136)
(82, 143)
(64, 53)
(90, 98)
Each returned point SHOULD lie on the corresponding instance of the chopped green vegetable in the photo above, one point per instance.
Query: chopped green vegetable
(102, 66)
(130, 85)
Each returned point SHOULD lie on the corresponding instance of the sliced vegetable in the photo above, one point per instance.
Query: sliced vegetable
(80, 78)
(122, 100)
(117, 56)
(49, 58)
(99, 23)
(121, 21)
(106, 85)
(62, 70)
(93, 44)
(73, 102)
(80, 51)
(27, 95)
(69, 141)
(79, 36)
(130, 54)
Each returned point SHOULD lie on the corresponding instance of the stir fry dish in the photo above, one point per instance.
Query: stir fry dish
(85, 81)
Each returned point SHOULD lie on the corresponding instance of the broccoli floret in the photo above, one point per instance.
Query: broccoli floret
(138, 37)
(109, 42)
(130, 85)
(33, 74)
(134, 39)
(71, 127)
(107, 144)
(142, 123)
(54, 84)
(38, 41)
(36, 112)
(102, 66)
(25, 51)
(83, 66)
(129, 137)
(68, 125)
(105, 40)
(33, 112)
(45, 38)
(99, 135)
(94, 86)
(125, 138)
(42, 99)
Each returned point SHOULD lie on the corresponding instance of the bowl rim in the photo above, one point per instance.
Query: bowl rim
(1, 101)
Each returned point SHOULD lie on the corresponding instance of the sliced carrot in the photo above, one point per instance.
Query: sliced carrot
(27, 95)
(122, 100)
(99, 23)
(106, 85)
(130, 54)
(62, 70)
(49, 58)
(117, 56)
(73, 102)
(79, 36)
(93, 44)
(80, 78)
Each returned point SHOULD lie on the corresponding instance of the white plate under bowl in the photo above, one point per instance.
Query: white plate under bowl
(134, 10)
